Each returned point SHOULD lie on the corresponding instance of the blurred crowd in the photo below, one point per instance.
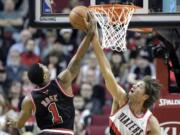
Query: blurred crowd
(22, 45)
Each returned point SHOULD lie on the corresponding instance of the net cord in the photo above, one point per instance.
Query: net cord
(114, 24)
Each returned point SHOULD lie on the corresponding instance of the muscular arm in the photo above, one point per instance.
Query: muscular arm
(116, 91)
(69, 74)
(25, 113)
(153, 127)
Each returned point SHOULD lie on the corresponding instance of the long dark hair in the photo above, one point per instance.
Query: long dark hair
(152, 89)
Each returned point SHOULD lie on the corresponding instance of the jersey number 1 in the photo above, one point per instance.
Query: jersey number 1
(57, 119)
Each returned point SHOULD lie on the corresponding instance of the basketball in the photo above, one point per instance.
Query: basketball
(77, 16)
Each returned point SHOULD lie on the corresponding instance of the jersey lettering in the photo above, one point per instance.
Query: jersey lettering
(124, 122)
(130, 124)
(57, 119)
(49, 100)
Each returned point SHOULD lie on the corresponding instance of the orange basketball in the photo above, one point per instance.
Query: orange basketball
(77, 16)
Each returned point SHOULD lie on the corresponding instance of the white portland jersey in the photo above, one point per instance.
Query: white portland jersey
(124, 122)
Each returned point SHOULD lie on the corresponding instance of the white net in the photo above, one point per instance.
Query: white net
(114, 21)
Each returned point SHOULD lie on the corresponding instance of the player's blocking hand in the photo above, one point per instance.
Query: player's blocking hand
(90, 23)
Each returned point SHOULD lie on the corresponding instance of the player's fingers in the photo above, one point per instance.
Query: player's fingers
(89, 21)
(93, 21)
(87, 24)
(88, 16)
(85, 21)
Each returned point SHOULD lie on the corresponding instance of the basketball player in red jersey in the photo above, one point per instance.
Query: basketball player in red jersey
(130, 114)
(52, 101)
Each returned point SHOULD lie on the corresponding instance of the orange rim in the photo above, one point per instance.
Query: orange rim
(116, 6)
(142, 30)
(114, 11)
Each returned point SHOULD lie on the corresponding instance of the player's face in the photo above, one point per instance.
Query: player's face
(137, 92)
(46, 73)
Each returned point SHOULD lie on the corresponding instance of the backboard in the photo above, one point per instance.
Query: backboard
(153, 13)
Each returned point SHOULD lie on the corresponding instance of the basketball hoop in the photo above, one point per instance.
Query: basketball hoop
(141, 30)
(113, 20)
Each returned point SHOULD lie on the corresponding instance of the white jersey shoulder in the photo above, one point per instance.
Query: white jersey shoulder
(124, 122)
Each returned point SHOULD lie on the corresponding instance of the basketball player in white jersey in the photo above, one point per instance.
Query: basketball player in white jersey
(130, 114)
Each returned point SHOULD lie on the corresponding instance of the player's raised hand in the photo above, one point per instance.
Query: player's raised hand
(90, 23)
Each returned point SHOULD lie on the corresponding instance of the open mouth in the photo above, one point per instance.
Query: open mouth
(132, 90)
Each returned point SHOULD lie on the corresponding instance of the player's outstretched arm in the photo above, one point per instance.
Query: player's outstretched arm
(18, 122)
(68, 75)
(116, 91)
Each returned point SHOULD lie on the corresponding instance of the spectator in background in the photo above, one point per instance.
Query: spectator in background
(78, 126)
(3, 110)
(68, 42)
(99, 94)
(22, 6)
(64, 59)
(14, 69)
(81, 115)
(5, 44)
(1, 5)
(3, 79)
(91, 103)
(49, 42)
(142, 68)
(73, 3)
(53, 63)
(9, 17)
(27, 86)
(119, 67)
(79, 103)
(14, 95)
(89, 72)
(28, 57)
(25, 35)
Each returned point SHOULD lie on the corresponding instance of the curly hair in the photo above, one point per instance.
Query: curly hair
(152, 89)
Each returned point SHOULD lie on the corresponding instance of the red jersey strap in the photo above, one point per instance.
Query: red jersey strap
(114, 128)
(62, 89)
(119, 108)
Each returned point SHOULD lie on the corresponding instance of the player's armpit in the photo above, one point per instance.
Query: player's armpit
(153, 126)
(115, 107)
(65, 79)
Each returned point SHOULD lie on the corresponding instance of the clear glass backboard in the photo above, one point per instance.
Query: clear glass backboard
(153, 13)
